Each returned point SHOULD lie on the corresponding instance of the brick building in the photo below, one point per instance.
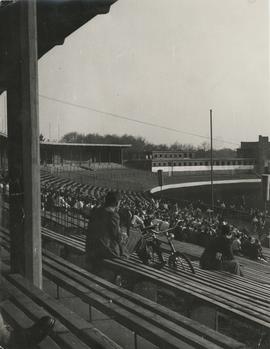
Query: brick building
(260, 151)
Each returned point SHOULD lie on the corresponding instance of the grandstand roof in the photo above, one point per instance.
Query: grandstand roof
(78, 144)
(56, 19)
(86, 144)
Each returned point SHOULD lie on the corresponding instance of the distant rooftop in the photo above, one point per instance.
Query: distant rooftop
(78, 144)
(86, 144)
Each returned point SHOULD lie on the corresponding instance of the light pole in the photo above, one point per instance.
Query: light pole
(211, 160)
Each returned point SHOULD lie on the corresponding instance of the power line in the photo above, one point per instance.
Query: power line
(118, 116)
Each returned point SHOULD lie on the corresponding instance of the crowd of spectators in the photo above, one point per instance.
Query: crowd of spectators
(194, 222)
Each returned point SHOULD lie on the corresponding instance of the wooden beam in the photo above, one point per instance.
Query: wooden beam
(23, 140)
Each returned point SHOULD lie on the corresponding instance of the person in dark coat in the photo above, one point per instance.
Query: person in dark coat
(104, 237)
(105, 240)
(218, 254)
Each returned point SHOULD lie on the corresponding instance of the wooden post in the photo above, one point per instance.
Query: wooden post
(23, 144)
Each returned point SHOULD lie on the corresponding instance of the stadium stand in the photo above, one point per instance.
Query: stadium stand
(25, 303)
(214, 294)
(145, 318)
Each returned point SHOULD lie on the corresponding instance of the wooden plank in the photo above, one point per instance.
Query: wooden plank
(165, 326)
(71, 320)
(211, 293)
(18, 319)
(238, 288)
(60, 334)
(215, 278)
(135, 323)
(214, 300)
(83, 278)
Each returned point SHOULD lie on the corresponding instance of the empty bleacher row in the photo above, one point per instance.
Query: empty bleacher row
(213, 298)
(149, 325)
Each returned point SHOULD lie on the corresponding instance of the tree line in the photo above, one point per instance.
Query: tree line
(139, 144)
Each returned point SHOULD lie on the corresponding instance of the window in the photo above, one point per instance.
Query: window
(222, 163)
(160, 155)
(185, 155)
(190, 155)
(165, 155)
(185, 163)
(155, 156)
(206, 163)
(174, 164)
(201, 163)
(195, 164)
(217, 163)
(170, 155)
(164, 164)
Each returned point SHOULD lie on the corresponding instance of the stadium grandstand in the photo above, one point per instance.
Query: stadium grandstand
(255, 157)
(53, 153)
(51, 195)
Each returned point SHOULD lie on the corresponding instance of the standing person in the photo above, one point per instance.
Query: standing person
(218, 254)
(105, 241)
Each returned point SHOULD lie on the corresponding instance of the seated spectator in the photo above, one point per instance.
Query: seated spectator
(254, 249)
(136, 220)
(218, 254)
(236, 245)
(259, 249)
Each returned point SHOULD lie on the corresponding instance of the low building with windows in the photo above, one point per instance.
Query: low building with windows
(202, 164)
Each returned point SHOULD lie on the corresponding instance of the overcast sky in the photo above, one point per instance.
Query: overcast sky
(165, 62)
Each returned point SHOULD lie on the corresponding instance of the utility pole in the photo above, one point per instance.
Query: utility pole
(50, 135)
(211, 159)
